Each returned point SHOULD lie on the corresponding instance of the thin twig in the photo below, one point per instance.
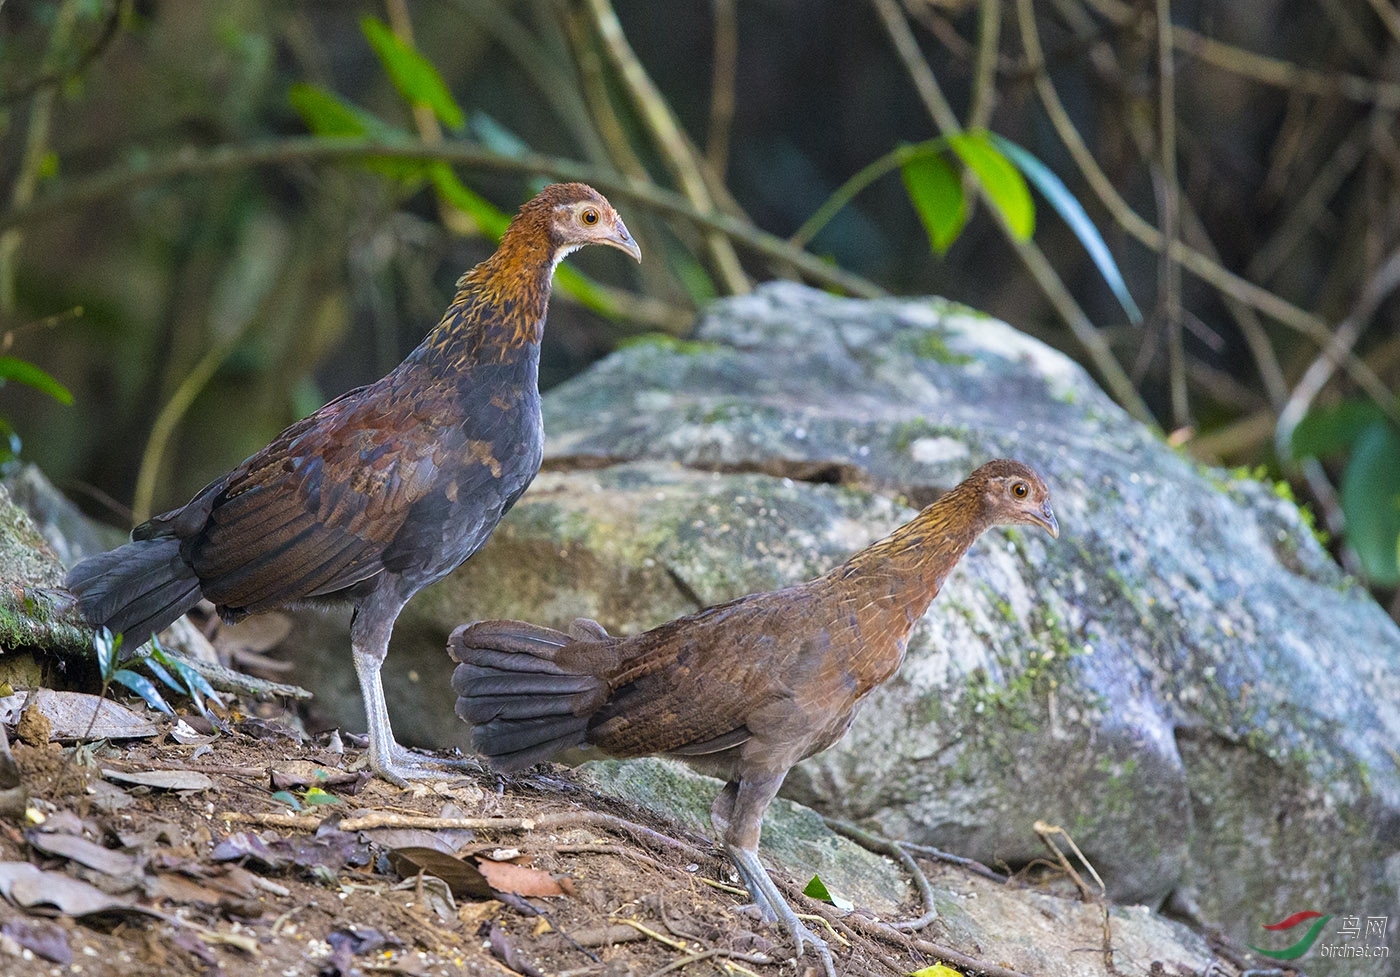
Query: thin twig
(36, 142)
(885, 846)
(1030, 254)
(312, 149)
(984, 72)
(668, 137)
(722, 82)
(1382, 283)
(1274, 306)
(1171, 195)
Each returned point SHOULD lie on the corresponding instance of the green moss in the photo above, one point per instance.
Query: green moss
(928, 344)
(668, 343)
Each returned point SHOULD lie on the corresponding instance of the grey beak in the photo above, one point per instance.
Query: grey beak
(622, 239)
(1046, 518)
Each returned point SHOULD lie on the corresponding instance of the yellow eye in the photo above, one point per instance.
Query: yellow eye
(590, 216)
(1020, 490)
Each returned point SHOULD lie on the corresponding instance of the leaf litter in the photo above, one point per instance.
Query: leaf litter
(145, 864)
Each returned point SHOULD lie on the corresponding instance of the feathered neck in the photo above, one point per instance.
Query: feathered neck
(500, 305)
(920, 554)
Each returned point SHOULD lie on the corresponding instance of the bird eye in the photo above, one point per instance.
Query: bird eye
(590, 216)
(1020, 490)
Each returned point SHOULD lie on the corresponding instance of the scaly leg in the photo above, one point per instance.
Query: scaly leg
(737, 816)
(369, 643)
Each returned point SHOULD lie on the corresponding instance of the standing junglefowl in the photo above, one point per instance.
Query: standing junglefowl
(741, 691)
(384, 490)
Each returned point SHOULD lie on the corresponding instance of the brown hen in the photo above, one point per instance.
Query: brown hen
(743, 690)
(384, 490)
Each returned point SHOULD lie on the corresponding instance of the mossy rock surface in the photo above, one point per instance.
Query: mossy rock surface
(1184, 680)
(34, 614)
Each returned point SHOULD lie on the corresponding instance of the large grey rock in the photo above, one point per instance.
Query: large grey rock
(34, 612)
(1185, 681)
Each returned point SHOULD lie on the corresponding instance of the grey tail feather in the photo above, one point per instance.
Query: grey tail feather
(524, 704)
(136, 589)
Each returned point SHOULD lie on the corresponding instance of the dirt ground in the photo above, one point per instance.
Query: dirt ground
(208, 869)
(218, 876)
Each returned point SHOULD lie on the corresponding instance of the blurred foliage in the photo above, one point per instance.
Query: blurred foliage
(158, 173)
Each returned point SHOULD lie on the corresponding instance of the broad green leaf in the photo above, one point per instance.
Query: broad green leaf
(1371, 503)
(106, 646)
(288, 798)
(1326, 431)
(817, 890)
(195, 682)
(1006, 187)
(490, 218)
(316, 796)
(326, 114)
(22, 371)
(936, 193)
(1065, 204)
(413, 75)
(143, 687)
(154, 666)
(937, 970)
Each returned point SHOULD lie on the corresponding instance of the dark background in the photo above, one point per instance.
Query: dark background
(310, 277)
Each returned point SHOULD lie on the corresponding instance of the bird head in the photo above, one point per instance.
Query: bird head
(576, 214)
(1014, 493)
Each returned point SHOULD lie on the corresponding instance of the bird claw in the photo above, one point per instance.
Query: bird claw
(403, 765)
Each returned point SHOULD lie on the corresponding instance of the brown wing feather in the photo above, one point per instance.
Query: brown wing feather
(313, 512)
(695, 682)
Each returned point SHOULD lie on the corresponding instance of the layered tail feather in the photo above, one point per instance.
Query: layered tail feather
(524, 700)
(136, 589)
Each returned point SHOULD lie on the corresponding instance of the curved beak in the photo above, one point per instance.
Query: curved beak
(622, 239)
(1045, 518)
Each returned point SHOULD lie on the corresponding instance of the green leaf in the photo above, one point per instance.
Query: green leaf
(1006, 187)
(490, 218)
(325, 114)
(1065, 204)
(153, 665)
(106, 646)
(1330, 430)
(22, 371)
(195, 682)
(1371, 503)
(413, 75)
(143, 687)
(288, 798)
(316, 796)
(937, 970)
(817, 890)
(936, 193)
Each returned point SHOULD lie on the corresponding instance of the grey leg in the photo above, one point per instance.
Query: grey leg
(369, 643)
(737, 815)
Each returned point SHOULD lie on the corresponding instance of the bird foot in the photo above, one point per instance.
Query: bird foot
(403, 765)
(802, 937)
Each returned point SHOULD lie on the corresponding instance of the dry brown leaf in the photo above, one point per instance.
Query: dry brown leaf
(161, 779)
(519, 879)
(94, 856)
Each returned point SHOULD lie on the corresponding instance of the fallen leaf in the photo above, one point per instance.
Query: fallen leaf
(816, 889)
(430, 891)
(937, 970)
(187, 735)
(70, 714)
(506, 952)
(27, 886)
(293, 776)
(161, 779)
(463, 879)
(41, 938)
(519, 879)
(85, 852)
